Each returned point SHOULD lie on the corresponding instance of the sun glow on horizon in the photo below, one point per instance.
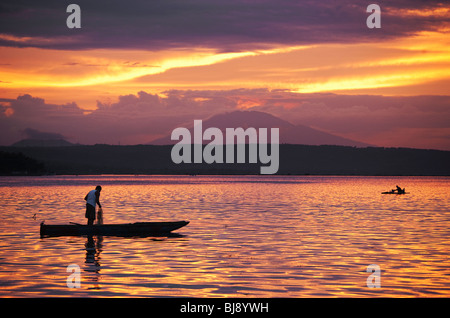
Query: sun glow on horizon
(92, 75)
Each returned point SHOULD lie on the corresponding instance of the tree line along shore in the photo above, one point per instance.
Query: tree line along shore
(152, 159)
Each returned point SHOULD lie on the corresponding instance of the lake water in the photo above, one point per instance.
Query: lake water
(249, 236)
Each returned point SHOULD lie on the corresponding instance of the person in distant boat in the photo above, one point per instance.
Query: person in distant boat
(92, 198)
(400, 190)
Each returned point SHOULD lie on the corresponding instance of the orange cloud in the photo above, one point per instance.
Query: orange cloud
(90, 75)
(438, 11)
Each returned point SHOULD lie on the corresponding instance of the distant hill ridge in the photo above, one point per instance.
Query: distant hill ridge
(43, 143)
(289, 133)
(294, 159)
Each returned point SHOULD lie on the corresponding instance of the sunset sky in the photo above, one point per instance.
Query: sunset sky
(135, 70)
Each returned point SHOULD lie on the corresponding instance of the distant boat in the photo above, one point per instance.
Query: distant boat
(394, 192)
(129, 229)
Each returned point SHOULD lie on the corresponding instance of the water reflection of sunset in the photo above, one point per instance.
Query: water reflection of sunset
(248, 237)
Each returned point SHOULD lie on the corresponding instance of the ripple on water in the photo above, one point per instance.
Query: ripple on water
(249, 236)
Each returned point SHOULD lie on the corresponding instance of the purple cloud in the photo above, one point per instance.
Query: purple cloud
(417, 121)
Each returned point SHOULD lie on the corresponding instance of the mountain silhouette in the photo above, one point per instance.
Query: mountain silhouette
(42, 143)
(289, 133)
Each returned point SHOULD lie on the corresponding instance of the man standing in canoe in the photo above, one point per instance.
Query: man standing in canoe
(92, 198)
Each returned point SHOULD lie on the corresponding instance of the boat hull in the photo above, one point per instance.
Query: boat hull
(130, 229)
(394, 192)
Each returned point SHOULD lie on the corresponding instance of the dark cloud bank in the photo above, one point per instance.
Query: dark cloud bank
(227, 25)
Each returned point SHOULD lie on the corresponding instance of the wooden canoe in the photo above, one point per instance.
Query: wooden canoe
(390, 192)
(129, 229)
